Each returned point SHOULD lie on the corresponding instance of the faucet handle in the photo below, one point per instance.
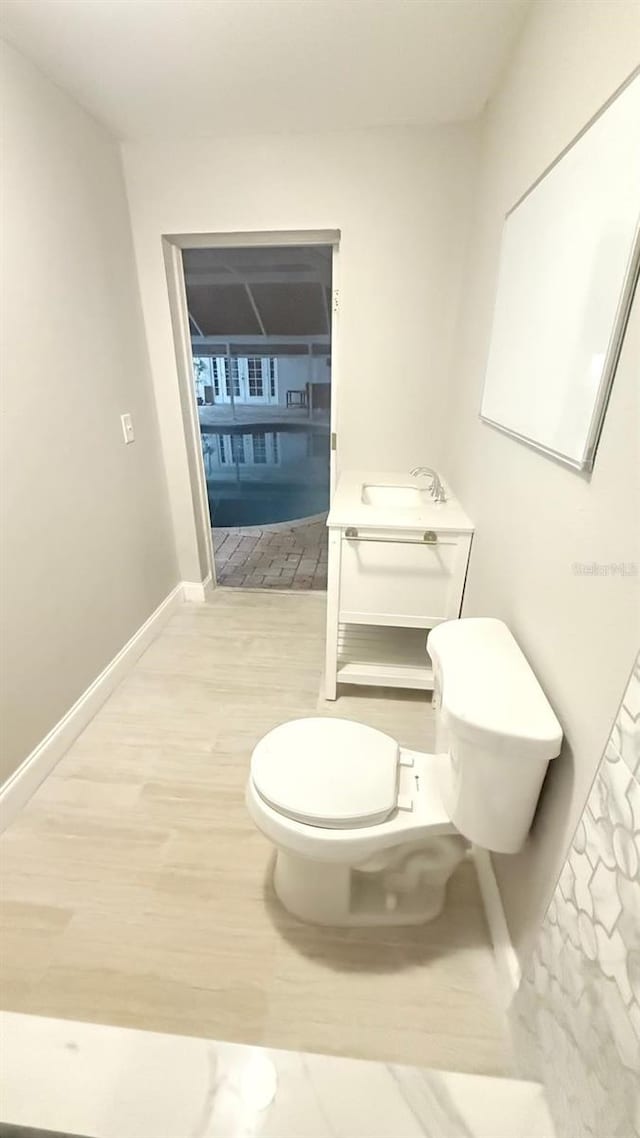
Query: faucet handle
(436, 488)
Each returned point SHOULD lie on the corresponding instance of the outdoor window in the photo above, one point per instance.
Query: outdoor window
(272, 377)
(254, 373)
(221, 373)
(235, 377)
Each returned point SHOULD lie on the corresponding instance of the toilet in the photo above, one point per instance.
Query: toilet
(367, 832)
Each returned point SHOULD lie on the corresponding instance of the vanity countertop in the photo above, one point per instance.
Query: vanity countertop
(348, 508)
(112, 1082)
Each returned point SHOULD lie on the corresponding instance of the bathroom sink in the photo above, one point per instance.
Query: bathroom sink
(399, 497)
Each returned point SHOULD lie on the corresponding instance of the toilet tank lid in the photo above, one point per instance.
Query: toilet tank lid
(490, 694)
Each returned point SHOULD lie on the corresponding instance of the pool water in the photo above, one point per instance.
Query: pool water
(276, 473)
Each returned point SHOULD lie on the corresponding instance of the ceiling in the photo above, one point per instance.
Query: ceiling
(200, 68)
(275, 298)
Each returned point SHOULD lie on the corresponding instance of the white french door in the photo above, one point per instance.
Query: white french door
(225, 374)
(252, 378)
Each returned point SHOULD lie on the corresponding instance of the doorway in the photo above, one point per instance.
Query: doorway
(260, 324)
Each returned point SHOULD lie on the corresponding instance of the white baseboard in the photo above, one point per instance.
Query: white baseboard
(507, 963)
(195, 592)
(26, 779)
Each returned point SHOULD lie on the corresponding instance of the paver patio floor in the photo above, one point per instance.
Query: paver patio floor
(282, 557)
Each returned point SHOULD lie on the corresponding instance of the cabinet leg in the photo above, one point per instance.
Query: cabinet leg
(331, 665)
(333, 588)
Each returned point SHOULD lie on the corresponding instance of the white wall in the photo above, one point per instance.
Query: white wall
(294, 372)
(87, 549)
(534, 517)
(401, 199)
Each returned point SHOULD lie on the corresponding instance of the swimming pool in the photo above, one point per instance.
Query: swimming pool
(261, 475)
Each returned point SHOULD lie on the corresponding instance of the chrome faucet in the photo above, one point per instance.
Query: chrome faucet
(436, 489)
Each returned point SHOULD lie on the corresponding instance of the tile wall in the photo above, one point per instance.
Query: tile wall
(576, 1016)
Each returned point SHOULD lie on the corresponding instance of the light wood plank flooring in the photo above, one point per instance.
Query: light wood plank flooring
(136, 889)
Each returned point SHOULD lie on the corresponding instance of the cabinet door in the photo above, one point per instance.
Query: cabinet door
(402, 581)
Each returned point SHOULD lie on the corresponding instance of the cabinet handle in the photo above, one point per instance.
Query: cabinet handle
(429, 537)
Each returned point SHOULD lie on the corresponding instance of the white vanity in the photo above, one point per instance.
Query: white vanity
(397, 566)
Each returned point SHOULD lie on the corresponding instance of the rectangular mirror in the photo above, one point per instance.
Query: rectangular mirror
(569, 263)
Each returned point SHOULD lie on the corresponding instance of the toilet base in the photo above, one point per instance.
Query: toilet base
(403, 886)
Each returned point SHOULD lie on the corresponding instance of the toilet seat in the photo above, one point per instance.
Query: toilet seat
(329, 773)
(418, 775)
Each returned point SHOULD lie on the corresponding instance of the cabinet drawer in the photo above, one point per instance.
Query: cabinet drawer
(402, 580)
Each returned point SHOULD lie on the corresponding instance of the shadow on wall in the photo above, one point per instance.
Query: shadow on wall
(549, 827)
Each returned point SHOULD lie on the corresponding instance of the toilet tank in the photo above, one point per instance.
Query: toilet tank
(496, 725)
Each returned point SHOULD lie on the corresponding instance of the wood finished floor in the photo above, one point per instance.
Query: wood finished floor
(135, 889)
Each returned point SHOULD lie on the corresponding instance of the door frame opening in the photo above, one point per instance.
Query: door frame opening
(173, 246)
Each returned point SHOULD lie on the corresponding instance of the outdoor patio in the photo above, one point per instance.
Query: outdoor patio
(222, 413)
(283, 556)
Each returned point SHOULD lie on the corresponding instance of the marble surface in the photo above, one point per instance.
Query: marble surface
(577, 1013)
(348, 509)
(111, 1082)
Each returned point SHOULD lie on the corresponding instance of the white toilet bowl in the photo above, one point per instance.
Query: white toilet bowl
(367, 832)
(360, 831)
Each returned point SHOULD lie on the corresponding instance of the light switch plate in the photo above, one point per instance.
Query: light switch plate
(127, 428)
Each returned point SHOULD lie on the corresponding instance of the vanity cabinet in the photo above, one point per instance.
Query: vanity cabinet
(387, 587)
(411, 579)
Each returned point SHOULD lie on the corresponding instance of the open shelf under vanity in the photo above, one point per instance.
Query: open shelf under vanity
(388, 585)
(385, 655)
